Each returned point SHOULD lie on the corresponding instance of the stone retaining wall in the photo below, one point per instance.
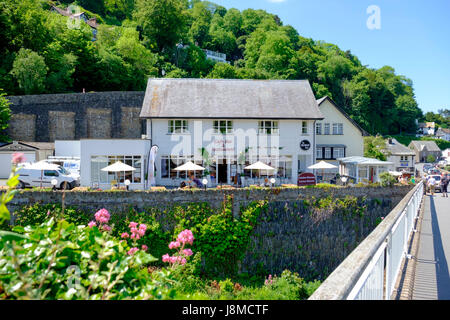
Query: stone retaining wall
(289, 235)
(74, 116)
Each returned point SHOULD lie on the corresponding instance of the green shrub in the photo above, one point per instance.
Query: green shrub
(59, 260)
(387, 180)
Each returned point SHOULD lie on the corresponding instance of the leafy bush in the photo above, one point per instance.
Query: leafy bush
(387, 180)
(221, 238)
(59, 260)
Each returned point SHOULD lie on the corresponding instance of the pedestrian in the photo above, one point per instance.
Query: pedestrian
(444, 184)
(432, 183)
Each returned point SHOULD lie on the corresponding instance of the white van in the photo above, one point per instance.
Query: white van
(29, 177)
(71, 164)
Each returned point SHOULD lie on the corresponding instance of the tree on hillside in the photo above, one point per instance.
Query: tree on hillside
(375, 147)
(162, 21)
(5, 116)
(30, 71)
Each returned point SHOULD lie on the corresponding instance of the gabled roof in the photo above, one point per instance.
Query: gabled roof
(27, 146)
(321, 100)
(229, 99)
(396, 148)
(420, 145)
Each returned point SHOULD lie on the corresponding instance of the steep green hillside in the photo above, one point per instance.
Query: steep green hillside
(42, 52)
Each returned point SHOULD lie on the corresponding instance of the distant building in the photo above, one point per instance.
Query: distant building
(81, 16)
(33, 151)
(426, 129)
(443, 134)
(446, 154)
(216, 56)
(423, 149)
(401, 156)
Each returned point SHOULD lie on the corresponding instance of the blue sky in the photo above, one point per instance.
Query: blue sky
(414, 37)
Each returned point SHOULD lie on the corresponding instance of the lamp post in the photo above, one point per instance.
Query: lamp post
(272, 181)
(344, 180)
(54, 182)
(205, 182)
(127, 184)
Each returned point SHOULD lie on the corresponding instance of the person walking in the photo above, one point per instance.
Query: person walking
(432, 183)
(444, 183)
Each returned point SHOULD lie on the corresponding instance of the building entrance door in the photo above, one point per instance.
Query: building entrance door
(222, 176)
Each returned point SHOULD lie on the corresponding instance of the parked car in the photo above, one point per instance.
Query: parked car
(29, 177)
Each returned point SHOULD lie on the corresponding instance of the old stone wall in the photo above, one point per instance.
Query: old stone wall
(50, 117)
(291, 234)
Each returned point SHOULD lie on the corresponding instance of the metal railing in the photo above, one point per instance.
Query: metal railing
(370, 272)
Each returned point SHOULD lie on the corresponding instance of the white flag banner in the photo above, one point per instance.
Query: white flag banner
(151, 166)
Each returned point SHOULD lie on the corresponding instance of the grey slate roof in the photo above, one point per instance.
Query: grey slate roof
(396, 148)
(419, 145)
(229, 99)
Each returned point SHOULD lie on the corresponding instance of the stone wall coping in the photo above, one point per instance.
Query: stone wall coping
(341, 281)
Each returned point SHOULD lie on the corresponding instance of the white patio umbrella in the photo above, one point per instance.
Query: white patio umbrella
(42, 165)
(118, 166)
(322, 165)
(189, 166)
(395, 173)
(259, 166)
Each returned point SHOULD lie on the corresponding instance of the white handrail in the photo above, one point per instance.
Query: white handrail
(371, 270)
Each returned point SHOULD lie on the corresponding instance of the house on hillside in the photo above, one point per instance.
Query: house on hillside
(423, 149)
(73, 14)
(443, 133)
(337, 135)
(401, 156)
(221, 124)
(426, 129)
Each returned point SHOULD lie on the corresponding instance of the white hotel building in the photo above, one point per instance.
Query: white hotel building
(222, 125)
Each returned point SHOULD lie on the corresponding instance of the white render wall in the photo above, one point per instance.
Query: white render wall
(396, 163)
(67, 148)
(111, 147)
(352, 136)
(289, 139)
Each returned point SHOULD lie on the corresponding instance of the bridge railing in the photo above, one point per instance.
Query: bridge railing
(371, 270)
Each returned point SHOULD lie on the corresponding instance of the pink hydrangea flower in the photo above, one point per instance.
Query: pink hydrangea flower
(17, 157)
(174, 244)
(132, 251)
(144, 247)
(124, 235)
(185, 236)
(92, 224)
(106, 227)
(166, 258)
(132, 225)
(102, 216)
(187, 252)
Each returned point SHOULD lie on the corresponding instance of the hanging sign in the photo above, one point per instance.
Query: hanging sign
(305, 145)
